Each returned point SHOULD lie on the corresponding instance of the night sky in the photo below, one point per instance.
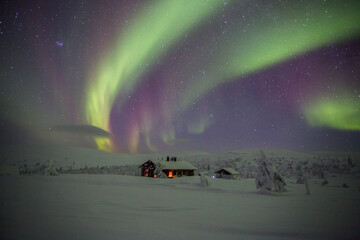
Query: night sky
(171, 75)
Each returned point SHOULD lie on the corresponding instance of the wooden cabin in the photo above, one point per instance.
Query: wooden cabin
(148, 169)
(171, 167)
(174, 168)
(227, 173)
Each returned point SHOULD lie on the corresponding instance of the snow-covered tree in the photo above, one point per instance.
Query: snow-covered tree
(264, 177)
(300, 175)
(205, 180)
(49, 169)
(307, 186)
(279, 183)
(161, 175)
(324, 179)
(158, 171)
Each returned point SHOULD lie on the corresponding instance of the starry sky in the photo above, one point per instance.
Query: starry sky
(166, 75)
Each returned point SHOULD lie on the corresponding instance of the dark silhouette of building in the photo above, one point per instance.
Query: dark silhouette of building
(148, 169)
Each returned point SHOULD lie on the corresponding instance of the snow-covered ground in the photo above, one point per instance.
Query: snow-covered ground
(98, 206)
(82, 206)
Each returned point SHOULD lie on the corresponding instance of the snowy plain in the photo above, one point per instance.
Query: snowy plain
(95, 206)
(86, 206)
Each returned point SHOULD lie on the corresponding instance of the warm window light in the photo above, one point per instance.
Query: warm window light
(170, 174)
(155, 175)
(146, 175)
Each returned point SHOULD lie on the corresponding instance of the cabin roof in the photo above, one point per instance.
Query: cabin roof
(183, 165)
(170, 165)
(229, 170)
(152, 162)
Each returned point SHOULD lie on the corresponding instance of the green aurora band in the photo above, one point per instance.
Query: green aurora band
(338, 113)
(148, 36)
(296, 30)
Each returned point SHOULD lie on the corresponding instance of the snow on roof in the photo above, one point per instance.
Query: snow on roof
(146, 162)
(229, 170)
(184, 165)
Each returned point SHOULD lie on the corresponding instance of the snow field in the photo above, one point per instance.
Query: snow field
(127, 207)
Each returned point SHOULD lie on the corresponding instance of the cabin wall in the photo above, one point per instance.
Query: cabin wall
(226, 175)
(189, 172)
(179, 172)
(166, 172)
(147, 170)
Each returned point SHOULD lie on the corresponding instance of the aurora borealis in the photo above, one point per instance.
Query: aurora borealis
(167, 75)
(149, 35)
(339, 113)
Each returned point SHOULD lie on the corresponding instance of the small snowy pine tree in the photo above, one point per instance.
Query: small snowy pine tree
(279, 183)
(264, 177)
(49, 169)
(300, 175)
(307, 186)
(205, 181)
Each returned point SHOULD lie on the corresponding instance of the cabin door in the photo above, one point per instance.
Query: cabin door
(151, 172)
